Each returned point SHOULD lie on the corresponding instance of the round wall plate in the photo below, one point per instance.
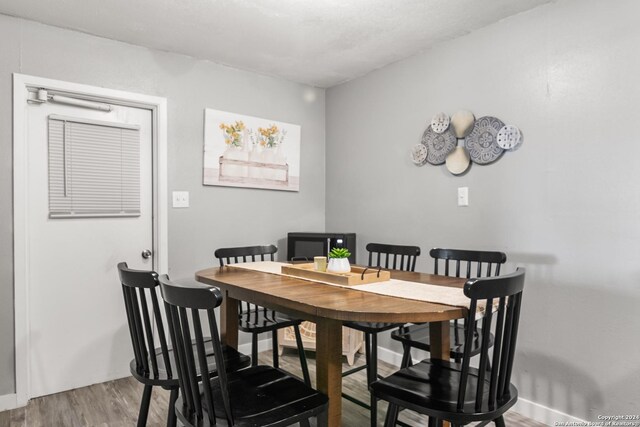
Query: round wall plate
(438, 145)
(418, 154)
(458, 160)
(481, 142)
(440, 122)
(509, 137)
(462, 123)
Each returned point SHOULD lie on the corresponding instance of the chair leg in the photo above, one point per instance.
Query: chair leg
(392, 416)
(373, 376)
(254, 349)
(305, 423)
(302, 356)
(406, 356)
(274, 342)
(434, 422)
(171, 418)
(367, 351)
(144, 406)
(499, 422)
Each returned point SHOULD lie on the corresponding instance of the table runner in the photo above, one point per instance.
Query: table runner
(393, 287)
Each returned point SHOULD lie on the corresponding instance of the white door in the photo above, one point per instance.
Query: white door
(78, 333)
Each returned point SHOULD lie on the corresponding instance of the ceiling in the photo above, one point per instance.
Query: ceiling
(316, 42)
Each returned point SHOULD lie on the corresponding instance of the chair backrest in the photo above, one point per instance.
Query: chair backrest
(506, 291)
(184, 306)
(487, 263)
(240, 254)
(394, 257)
(245, 254)
(138, 288)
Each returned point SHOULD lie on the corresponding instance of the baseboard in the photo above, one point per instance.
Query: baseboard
(543, 414)
(8, 401)
(263, 345)
(528, 408)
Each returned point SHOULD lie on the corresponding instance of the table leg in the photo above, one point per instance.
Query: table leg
(329, 366)
(440, 344)
(440, 340)
(229, 322)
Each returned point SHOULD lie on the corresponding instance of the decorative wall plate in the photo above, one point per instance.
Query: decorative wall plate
(458, 160)
(481, 142)
(509, 137)
(462, 123)
(438, 145)
(418, 154)
(440, 122)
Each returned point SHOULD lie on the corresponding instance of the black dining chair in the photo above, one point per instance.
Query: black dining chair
(153, 366)
(255, 319)
(458, 263)
(391, 257)
(455, 392)
(256, 396)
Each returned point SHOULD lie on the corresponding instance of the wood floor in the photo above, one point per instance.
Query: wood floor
(116, 403)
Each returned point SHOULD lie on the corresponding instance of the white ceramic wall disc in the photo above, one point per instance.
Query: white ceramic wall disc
(509, 137)
(458, 161)
(462, 123)
(418, 154)
(440, 122)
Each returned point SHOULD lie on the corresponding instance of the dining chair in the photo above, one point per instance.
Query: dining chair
(153, 366)
(458, 263)
(255, 319)
(255, 396)
(455, 392)
(391, 257)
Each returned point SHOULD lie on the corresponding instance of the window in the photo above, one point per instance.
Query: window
(94, 168)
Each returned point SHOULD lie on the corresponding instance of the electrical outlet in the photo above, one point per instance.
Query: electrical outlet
(463, 196)
(180, 199)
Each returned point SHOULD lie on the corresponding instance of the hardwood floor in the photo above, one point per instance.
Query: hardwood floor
(116, 403)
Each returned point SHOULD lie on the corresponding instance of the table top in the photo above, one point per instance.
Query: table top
(309, 300)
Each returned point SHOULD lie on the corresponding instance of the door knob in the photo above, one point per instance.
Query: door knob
(146, 254)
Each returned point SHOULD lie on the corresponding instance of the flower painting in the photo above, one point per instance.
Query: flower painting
(246, 151)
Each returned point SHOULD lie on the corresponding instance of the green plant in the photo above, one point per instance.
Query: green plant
(339, 253)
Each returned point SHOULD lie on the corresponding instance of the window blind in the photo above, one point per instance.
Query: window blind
(94, 168)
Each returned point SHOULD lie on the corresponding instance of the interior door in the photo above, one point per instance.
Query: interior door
(78, 333)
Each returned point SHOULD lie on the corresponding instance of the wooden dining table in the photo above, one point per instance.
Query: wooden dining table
(329, 306)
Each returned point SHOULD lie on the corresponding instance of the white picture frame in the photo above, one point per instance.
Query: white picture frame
(250, 152)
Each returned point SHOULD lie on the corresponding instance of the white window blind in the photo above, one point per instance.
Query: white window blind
(94, 168)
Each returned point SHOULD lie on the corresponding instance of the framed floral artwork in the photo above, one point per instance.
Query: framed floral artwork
(250, 152)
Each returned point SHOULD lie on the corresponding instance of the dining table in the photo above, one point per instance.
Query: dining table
(329, 306)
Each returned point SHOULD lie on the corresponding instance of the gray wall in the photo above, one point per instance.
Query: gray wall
(218, 216)
(565, 205)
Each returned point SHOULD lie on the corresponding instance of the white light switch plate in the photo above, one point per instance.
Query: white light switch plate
(180, 199)
(463, 196)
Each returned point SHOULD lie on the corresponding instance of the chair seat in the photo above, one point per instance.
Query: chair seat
(372, 327)
(261, 396)
(431, 388)
(417, 336)
(233, 358)
(258, 321)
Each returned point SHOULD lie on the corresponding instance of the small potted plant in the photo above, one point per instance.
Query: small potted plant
(339, 261)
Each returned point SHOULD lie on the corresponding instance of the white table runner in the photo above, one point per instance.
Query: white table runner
(394, 287)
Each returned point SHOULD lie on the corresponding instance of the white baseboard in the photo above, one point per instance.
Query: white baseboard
(543, 414)
(263, 345)
(8, 401)
(529, 409)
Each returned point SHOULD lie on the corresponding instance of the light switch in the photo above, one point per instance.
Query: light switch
(463, 196)
(180, 199)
